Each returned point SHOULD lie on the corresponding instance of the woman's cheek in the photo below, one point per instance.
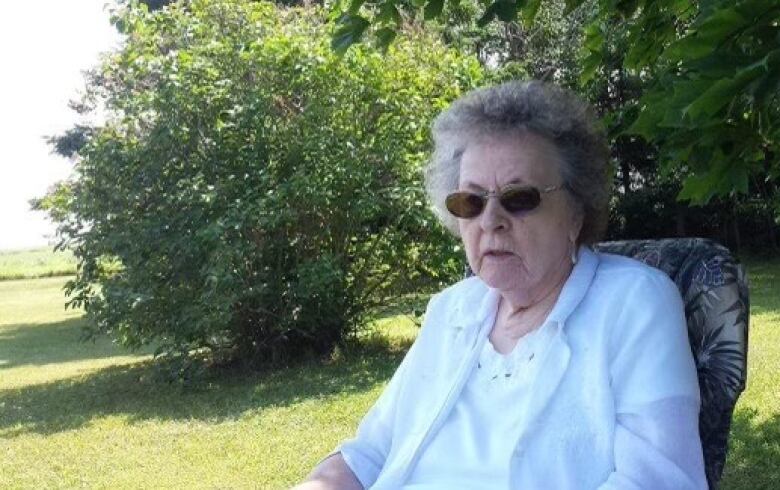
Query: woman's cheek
(470, 241)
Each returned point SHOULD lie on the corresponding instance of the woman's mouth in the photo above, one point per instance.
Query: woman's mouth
(498, 254)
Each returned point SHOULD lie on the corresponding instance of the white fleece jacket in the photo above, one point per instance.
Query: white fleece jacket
(615, 404)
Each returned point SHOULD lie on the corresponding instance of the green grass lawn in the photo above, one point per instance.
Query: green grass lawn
(92, 415)
(754, 457)
(75, 414)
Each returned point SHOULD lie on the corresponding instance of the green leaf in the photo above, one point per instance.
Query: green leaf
(723, 177)
(662, 108)
(591, 52)
(530, 10)
(354, 6)
(350, 31)
(764, 88)
(594, 38)
(695, 189)
(388, 13)
(709, 33)
(723, 91)
(626, 8)
(650, 116)
(433, 8)
(590, 65)
(571, 5)
(505, 10)
(648, 39)
(385, 37)
(674, 107)
(718, 64)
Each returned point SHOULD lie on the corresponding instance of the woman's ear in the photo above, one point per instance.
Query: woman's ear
(576, 225)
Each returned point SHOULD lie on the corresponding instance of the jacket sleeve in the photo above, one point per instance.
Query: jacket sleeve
(367, 452)
(658, 447)
(655, 387)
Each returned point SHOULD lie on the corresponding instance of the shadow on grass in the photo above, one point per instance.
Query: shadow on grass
(135, 392)
(412, 305)
(50, 343)
(754, 453)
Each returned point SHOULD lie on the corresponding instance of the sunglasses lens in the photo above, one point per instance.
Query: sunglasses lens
(464, 204)
(518, 200)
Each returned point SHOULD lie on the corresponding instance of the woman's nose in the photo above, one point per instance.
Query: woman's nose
(493, 217)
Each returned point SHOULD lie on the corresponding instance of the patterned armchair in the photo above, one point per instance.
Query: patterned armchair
(715, 292)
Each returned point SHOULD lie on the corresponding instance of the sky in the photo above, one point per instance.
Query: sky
(44, 46)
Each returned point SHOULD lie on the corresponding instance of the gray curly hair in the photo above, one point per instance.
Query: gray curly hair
(511, 109)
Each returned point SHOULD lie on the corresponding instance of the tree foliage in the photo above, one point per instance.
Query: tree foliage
(714, 106)
(711, 70)
(252, 193)
(547, 49)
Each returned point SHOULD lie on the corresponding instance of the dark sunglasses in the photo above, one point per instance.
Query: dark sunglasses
(515, 199)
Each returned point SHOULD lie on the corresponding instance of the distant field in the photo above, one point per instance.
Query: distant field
(75, 415)
(37, 262)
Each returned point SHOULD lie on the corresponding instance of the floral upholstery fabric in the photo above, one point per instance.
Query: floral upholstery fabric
(715, 292)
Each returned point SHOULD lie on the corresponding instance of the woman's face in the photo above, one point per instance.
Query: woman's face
(525, 254)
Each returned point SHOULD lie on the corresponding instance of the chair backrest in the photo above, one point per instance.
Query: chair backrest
(715, 292)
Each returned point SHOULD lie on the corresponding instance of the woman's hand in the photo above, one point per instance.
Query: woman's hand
(331, 473)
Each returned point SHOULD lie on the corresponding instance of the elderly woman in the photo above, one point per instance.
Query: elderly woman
(554, 366)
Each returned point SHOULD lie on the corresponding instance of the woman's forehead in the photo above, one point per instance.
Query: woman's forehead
(504, 160)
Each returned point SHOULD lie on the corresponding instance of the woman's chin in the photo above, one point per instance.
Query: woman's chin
(503, 278)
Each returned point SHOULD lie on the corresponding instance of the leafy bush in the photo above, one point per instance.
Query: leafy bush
(252, 194)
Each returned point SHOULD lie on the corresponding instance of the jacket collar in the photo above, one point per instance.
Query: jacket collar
(576, 286)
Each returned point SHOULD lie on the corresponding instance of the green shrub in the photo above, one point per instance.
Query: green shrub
(252, 193)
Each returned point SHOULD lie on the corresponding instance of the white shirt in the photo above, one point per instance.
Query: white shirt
(473, 448)
(614, 404)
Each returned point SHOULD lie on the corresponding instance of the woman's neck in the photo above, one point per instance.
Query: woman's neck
(513, 320)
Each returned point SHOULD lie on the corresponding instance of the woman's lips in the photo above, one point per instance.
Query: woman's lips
(498, 254)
